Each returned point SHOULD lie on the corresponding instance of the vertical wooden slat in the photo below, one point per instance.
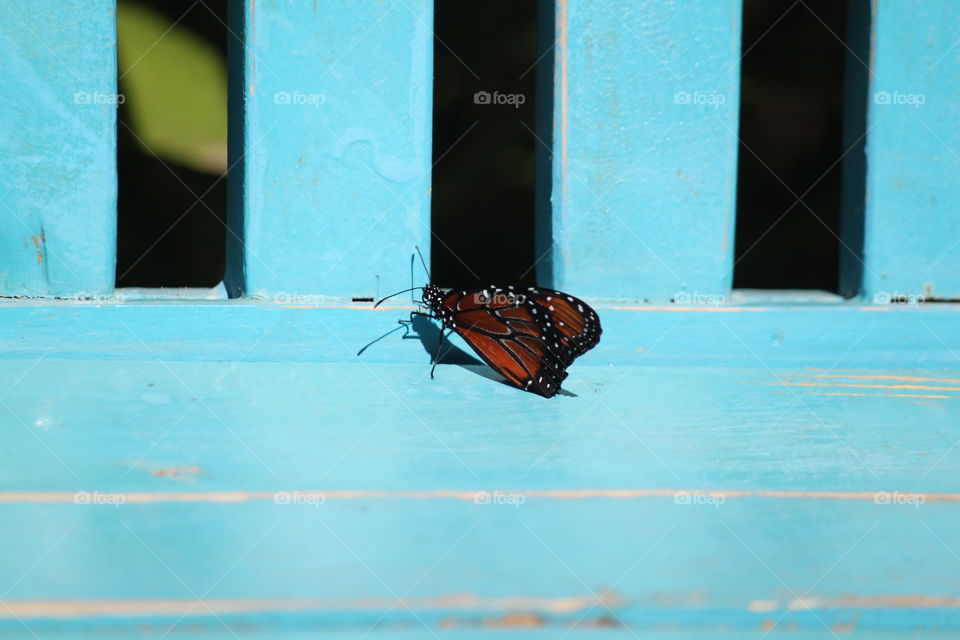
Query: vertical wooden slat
(912, 240)
(58, 178)
(646, 101)
(335, 148)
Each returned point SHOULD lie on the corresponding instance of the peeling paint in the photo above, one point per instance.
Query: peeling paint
(762, 606)
(532, 616)
(691, 309)
(177, 471)
(783, 383)
(875, 377)
(880, 395)
(514, 620)
(39, 244)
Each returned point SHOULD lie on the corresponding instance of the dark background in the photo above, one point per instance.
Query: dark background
(164, 237)
(791, 113)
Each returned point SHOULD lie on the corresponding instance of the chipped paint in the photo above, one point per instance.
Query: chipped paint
(252, 45)
(879, 395)
(762, 606)
(876, 602)
(875, 377)
(524, 606)
(515, 620)
(703, 309)
(519, 611)
(39, 244)
(176, 471)
(784, 383)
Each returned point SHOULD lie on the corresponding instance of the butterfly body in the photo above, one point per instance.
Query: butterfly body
(529, 335)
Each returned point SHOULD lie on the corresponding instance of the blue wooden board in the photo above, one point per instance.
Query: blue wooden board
(721, 469)
(331, 146)
(644, 148)
(58, 158)
(494, 629)
(644, 563)
(912, 240)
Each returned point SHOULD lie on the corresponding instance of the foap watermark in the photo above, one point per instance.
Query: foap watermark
(895, 497)
(709, 98)
(897, 297)
(915, 100)
(695, 298)
(299, 99)
(309, 498)
(97, 98)
(99, 498)
(699, 498)
(499, 298)
(499, 498)
(512, 99)
(284, 297)
(100, 298)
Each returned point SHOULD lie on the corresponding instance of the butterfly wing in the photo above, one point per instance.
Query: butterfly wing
(575, 323)
(505, 330)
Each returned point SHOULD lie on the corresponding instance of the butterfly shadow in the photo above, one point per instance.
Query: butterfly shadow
(445, 352)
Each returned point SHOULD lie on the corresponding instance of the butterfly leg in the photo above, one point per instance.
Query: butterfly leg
(409, 322)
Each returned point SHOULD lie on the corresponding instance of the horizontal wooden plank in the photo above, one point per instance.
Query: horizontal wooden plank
(494, 629)
(746, 564)
(300, 330)
(717, 469)
(686, 400)
(137, 426)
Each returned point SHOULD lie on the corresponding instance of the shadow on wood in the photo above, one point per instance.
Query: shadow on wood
(445, 352)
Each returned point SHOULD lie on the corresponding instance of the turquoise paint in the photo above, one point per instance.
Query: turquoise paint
(912, 242)
(665, 564)
(677, 378)
(180, 401)
(58, 190)
(495, 629)
(336, 153)
(478, 631)
(644, 148)
(901, 336)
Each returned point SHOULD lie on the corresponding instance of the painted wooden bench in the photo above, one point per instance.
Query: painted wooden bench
(733, 464)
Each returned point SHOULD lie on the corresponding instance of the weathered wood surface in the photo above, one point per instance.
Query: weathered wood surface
(912, 239)
(331, 118)
(717, 469)
(58, 155)
(645, 113)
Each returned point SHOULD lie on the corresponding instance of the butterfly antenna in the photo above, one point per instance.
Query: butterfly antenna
(395, 294)
(411, 276)
(424, 263)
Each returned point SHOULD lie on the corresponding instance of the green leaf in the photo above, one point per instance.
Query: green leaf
(175, 86)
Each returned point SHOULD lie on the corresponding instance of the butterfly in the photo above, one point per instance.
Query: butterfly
(529, 335)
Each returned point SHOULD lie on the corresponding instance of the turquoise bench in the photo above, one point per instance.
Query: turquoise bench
(730, 464)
